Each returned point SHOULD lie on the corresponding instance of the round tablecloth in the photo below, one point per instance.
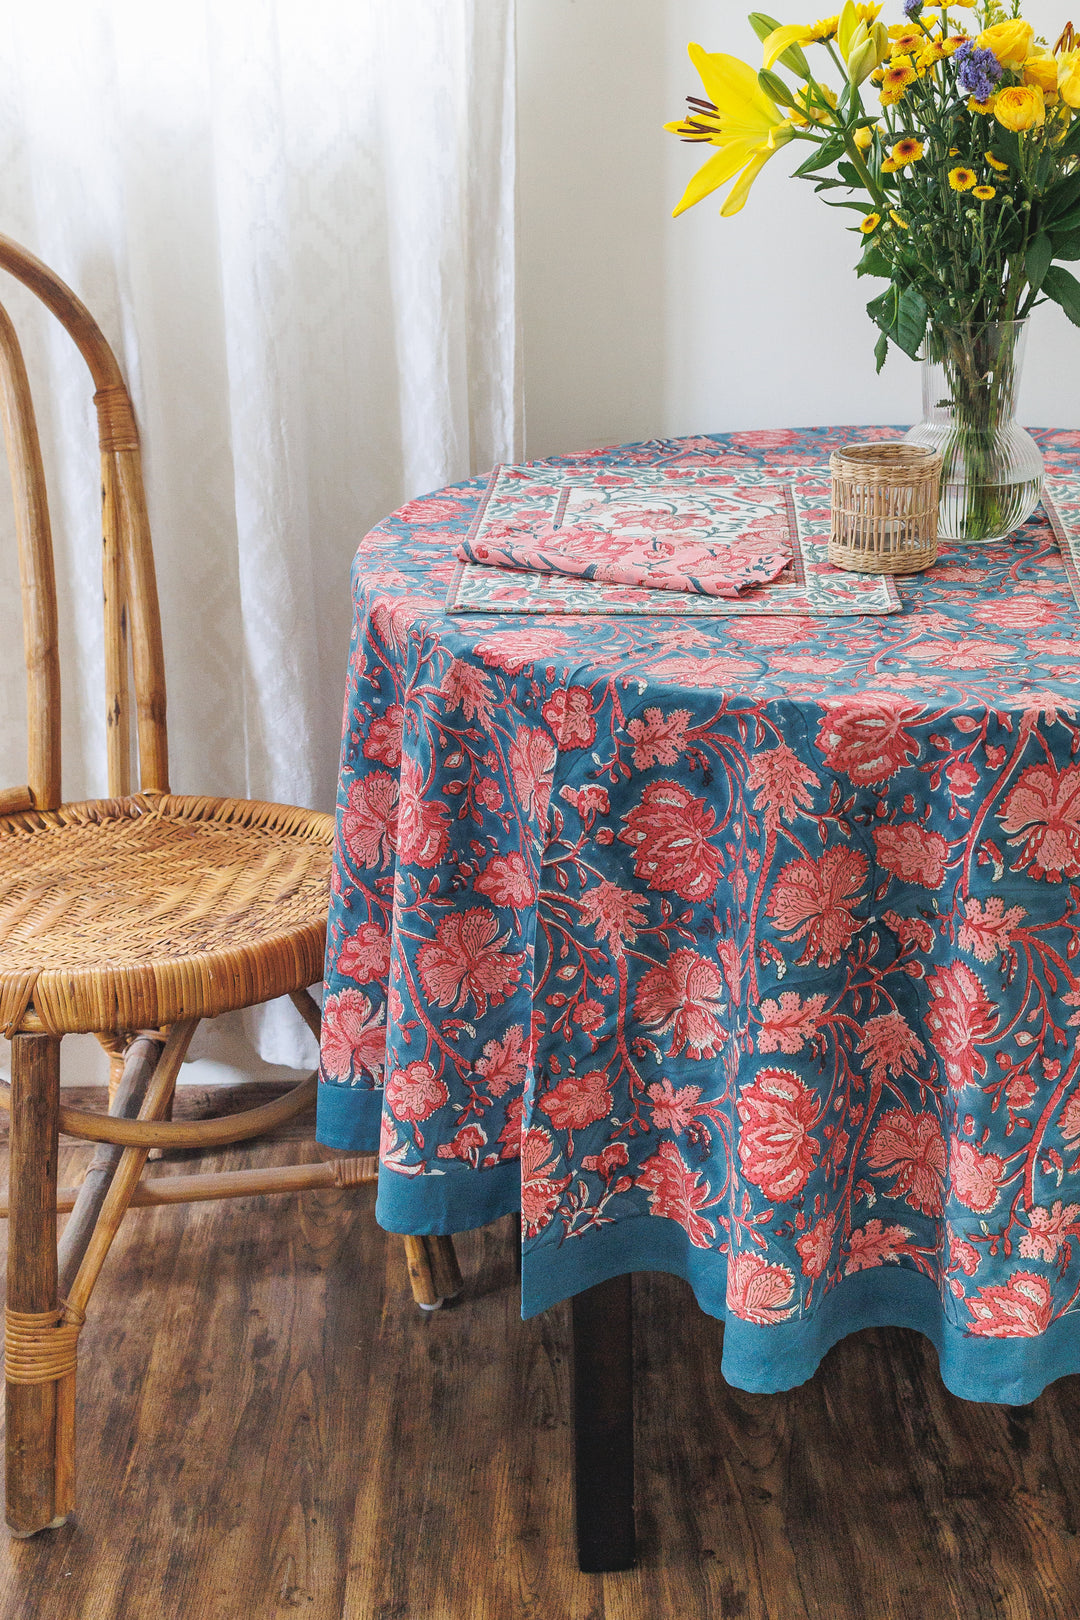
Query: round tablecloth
(743, 948)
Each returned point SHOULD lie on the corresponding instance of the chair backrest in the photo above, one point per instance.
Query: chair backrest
(133, 653)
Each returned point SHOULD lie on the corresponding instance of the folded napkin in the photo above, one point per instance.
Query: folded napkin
(675, 554)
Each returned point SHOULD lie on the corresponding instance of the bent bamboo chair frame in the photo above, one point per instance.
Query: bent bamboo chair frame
(49, 1285)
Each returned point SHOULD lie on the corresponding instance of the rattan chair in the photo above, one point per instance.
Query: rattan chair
(132, 917)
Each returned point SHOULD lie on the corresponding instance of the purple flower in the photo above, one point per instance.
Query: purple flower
(977, 71)
(913, 9)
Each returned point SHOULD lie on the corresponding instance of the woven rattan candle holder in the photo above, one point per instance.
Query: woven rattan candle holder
(884, 508)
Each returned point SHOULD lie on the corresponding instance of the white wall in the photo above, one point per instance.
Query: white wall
(637, 324)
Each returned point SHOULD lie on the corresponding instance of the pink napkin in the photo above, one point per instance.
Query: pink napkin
(675, 555)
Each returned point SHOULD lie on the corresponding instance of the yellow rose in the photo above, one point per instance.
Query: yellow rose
(1020, 107)
(1010, 42)
(1069, 78)
(1042, 69)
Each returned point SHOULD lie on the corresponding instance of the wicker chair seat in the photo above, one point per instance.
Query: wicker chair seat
(125, 914)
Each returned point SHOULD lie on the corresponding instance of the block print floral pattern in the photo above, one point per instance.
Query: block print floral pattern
(763, 931)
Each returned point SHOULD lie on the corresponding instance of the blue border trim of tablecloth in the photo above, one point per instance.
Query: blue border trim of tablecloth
(348, 1118)
(767, 1360)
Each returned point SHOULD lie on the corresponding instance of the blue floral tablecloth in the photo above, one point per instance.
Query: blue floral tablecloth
(744, 948)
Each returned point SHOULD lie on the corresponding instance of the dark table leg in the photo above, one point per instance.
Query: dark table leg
(604, 1426)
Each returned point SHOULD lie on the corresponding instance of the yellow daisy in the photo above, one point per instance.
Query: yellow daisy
(996, 163)
(981, 106)
(895, 80)
(896, 219)
(984, 193)
(870, 223)
(904, 40)
(889, 165)
(909, 150)
(961, 179)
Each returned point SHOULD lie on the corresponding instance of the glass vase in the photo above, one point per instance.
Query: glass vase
(992, 469)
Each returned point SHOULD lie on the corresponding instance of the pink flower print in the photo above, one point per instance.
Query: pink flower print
(875, 1244)
(910, 1148)
(683, 996)
(988, 929)
(415, 1092)
(532, 760)
(758, 1291)
(383, 739)
(658, 739)
(510, 1135)
(506, 880)
(365, 955)
(769, 632)
(608, 1162)
(976, 1177)
(615, 913)
(814, 898)
(353, 1037)
(912, 853)
(369, 824)
(1049, 1230)
(815, 1246)
(569, 714)
(504, 1062)
(962, 1254)
(779, 780)
(513, 650)
(465, 687)
(959, 1018)
(588, 1014)
(1047, 802)
(673, 1110)
(1019, 1309)
(890, 1046)
(913, 931)
(788, 1024)
(577, 1101)
(466, 1144)
(589, 801)
(669, 833)
(677, 1193)
(1069, 1122)
(467, 960)
(962, 777)
(865, 737)
(540, 1190)
(776, 1148)
(1024, 611)
(421, 832)
(731, 962)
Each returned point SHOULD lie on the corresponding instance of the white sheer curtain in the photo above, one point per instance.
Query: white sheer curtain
(294, 219)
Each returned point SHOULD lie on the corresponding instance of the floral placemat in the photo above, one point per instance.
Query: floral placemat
(520, 499)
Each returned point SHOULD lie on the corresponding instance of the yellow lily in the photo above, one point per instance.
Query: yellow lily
(740, 119)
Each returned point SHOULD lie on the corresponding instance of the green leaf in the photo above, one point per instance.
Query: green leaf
(911, 321)
(1061, 199)
(793, 58)
(1064, 289)
(821, 157)
(1006, 146)
(1038, 259)
(873, 263)
(883, 310)
(1067, 223)
(1067, 246)
(1070, 146)
(881, 349)
(851, 175)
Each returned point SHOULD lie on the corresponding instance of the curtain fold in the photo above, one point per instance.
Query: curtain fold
(294, 220)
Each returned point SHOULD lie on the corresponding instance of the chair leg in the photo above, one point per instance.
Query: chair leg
(38, 1350)
(433, 1270)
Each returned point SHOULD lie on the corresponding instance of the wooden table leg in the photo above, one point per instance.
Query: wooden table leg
(433, 1270)
(604, 1426)
(31, 1278)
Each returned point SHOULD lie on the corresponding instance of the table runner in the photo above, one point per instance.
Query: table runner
(745, 949)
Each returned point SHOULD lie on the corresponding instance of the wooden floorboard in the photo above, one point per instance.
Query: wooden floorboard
(269, 1428)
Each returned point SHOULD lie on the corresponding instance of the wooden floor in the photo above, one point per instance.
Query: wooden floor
(270, 1428)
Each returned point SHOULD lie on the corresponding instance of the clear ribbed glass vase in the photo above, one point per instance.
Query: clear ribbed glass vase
(992, 469)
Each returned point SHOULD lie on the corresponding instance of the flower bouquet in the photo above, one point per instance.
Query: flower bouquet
(955, 137)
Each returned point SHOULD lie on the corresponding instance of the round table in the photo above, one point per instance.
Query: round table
(742, 947)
